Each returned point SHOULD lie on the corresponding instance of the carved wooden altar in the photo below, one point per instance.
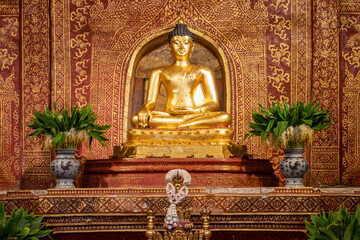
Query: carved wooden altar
(264, 213)
(150, 172)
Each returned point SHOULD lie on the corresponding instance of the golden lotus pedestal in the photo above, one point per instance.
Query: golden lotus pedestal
(210, 155)
(194, 143)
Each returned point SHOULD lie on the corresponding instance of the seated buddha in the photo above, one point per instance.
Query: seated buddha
(185, 127)
(181, 79)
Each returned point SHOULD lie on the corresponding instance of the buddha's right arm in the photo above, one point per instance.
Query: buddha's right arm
(153, 90)
(211, 96)
(144, 115)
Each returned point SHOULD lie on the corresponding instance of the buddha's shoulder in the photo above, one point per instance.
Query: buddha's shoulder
(163, 69)
(158, 70)
(170, 68)
(201, 69)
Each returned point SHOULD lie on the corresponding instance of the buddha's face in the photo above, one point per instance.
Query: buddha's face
(181, 47)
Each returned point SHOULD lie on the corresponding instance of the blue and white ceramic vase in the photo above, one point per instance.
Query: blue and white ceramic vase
(294, 166)
(65, 168)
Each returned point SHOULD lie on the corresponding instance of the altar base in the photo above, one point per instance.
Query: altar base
(150, 172)
(237, 213)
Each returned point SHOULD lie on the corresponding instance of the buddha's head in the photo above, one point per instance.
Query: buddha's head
(181, 42)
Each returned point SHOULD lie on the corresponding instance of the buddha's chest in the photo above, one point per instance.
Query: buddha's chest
(184, 82)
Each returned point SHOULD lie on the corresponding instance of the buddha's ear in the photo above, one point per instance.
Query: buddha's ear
(171, 51)
(192, 49)
(193, 45)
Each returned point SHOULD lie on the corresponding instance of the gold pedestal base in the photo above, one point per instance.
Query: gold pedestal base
(156, 137)
(181, 151)
(195, 143)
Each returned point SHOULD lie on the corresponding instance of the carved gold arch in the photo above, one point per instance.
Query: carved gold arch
(119, 41)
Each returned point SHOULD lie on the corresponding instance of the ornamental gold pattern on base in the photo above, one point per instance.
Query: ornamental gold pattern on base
(124, 209)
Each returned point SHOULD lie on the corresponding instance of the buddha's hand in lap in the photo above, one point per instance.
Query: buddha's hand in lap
(144, 117)
(183, 110)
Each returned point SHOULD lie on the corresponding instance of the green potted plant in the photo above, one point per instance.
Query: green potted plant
(64, 131)
(289, 128)
(339, 225)
(21, 225)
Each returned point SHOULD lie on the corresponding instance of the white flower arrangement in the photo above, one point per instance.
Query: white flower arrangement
(288, 126)
(171, 218)
(64, 130)
(292, 137)
(183, 173)
(72, 141)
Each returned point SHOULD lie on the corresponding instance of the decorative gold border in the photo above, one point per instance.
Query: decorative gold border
(279, 211)
(35, 87)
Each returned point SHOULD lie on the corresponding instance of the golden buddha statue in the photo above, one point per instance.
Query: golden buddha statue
(181, 79)
(190, 125)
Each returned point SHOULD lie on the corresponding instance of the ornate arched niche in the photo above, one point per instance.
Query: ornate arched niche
(155, 53)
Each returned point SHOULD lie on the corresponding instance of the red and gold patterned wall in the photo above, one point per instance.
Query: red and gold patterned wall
(84, 51)
(10, 96)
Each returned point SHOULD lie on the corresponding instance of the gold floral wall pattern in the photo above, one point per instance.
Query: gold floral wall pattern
(288, 55)
(267, 46)
(35, 83)
(10, 126)
(325, 150)
(110, 32)
(350, 92)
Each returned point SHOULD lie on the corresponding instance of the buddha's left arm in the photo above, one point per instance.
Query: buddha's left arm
(210, 93)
